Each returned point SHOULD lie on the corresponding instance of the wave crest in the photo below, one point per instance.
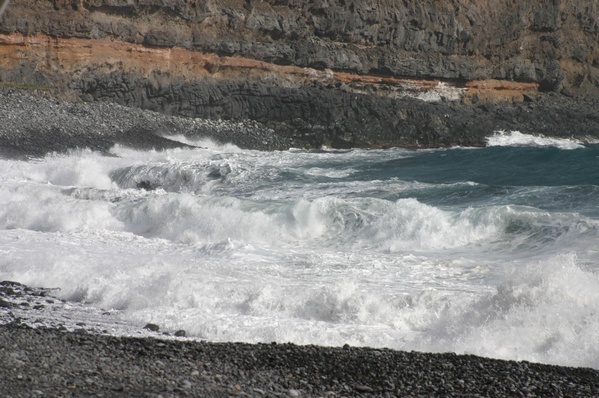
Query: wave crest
(516, 138)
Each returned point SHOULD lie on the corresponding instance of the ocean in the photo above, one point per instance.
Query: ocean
(488, 251)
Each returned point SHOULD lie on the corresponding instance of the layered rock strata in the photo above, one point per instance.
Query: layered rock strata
(334, 73)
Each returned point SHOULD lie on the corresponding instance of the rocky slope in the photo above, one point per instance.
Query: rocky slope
(339, 73)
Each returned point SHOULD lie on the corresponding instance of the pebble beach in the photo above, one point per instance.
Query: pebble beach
(45, 358)
(36, 122)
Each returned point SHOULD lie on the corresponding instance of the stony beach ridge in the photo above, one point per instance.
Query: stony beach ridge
(36, 122)
(46, 350)
(50, 362)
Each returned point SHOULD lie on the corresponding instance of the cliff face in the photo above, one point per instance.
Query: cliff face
(347, 73)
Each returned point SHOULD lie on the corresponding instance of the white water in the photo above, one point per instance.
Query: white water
(516, 138)
(285, 246)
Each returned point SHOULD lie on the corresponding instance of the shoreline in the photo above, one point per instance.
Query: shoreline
(57, 363)
(38, 122)
(106, 76)
(41, 359)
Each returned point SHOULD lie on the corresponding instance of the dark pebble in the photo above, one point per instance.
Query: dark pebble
(360, 388)
(5, 304)
(152, 327)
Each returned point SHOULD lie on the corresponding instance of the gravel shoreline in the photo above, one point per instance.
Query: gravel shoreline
(35, 123)
(51, 362)
(40, 358)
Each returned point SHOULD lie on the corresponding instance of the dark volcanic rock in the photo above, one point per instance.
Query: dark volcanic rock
(552, 43)
(152, 327)
(281, 64)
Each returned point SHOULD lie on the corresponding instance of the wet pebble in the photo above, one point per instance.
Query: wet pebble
(152, 327)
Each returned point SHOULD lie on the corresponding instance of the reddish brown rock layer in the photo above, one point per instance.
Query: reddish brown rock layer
(551, 42)
(69, 59)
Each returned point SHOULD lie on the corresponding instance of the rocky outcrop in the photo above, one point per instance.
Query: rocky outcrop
(339, 73)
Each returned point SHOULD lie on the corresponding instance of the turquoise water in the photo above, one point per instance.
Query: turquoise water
(548, 178)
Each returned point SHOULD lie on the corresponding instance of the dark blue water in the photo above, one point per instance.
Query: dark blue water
(546, 178)
(495, 166)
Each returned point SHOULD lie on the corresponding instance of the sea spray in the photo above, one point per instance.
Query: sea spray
(516, 138)
(464, 250)
(543, 311)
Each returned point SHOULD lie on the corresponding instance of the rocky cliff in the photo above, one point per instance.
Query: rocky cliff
(339, 73)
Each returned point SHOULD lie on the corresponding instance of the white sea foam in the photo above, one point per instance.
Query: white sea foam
(544, 311)
(205, 143)
(268, 251)
(516, 138)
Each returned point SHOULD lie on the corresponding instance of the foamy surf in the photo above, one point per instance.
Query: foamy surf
(414, 250)
(516, 138)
